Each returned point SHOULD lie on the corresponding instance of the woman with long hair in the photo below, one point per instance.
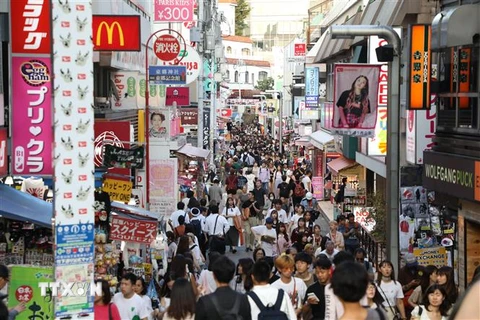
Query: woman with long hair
(258, 254)
(429, 277)
(242, 281)
(374, 298)
(390, 290)
(230, 212)
(354, 104)
(446, 279)
(299, 229)
(183, 301)
(283, 242)
(309, 223)
(183, 245)
(335, 236)
(140, 288)
(277, 176)
(302, 240)
(318, 241)
(274, 216)
(103, 306)
(434, 306)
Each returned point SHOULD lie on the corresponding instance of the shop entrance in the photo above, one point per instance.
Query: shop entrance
(472, 249)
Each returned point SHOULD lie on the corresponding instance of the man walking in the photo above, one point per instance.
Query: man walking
(216, 226)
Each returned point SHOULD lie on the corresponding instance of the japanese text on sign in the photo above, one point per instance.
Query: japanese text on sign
(133, 230)
(119, 190)
(431, 256)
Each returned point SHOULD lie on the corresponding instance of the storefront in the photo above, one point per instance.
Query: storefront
(192, 165)
(454, 180)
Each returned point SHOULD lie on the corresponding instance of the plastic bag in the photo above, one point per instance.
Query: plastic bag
(151, 290)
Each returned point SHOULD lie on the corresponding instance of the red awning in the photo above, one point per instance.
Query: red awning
(340, 164)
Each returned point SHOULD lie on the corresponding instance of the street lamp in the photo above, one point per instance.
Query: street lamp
(279, 96)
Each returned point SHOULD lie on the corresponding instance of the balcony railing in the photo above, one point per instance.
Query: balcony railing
(376, 250)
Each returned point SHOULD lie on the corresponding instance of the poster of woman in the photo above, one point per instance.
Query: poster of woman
(159, 124)
(356, 91)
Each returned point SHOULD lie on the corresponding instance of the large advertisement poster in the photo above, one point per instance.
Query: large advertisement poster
(159, 127)
(163, 177)
(125, 91)
(355, 110)
(32, 116)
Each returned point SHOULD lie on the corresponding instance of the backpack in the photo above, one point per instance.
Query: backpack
(232, 185)
(232, 314)
(299, 191)
(197, 227)
(272, 312)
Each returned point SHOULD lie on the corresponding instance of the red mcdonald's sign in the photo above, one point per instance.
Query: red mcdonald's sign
(116, 33)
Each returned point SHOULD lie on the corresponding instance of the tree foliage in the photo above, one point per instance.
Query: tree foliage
(242, 10)
(265, 84)
(379, 214)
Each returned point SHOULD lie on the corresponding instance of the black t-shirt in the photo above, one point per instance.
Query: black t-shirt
(284, 189)
(342, 103)
(259, 197)
(318, 310)
(253, 212)
(241, 181)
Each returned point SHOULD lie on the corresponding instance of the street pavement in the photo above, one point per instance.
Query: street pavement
(322, 221)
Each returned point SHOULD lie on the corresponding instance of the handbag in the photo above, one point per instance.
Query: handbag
(396, 314)
(217, 241)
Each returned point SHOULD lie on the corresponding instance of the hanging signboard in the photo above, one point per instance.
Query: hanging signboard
(419, 68)
(356, 87)
(126, 90)
(116, 157)
(119, 190)
(179, 96)
(171, 75)
(311, 87)
(3, 152)
(206, 128)
(115, 32)
(169, 11)
(133, 230)
(432, 256)
(189, 116)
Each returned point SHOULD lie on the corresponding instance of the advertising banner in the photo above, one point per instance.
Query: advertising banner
(189, 116)
(364, 217)
(115, 33)
(311, 87)
(377, 146)
(206, 128)
(163, 182)
(420, 131)
(272, 108)
(123, 158)
(419, 67)
(32, 26)
(132, 230)
(169, 11)
(32, 116)
(118, 190)
(23, 286)
(355, 92)
(299, 49)
(3, 152)
(432, 256)
(317, 185)
(178, 96)
(74, 151)
(125, 96)
(159, 129)
(114, 133)
(157, 93)
(190, 59)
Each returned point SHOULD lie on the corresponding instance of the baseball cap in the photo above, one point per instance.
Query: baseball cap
(410, 260)
(309, 196)
(269, 221)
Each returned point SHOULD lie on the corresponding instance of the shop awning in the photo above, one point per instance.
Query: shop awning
(340, 164)
(22, 206)
(320, 138)
(118, 207)
(303, 142)
(194, 152)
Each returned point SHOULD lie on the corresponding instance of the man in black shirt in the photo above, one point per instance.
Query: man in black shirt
(315, 296)
(250, 212)
(260, 194)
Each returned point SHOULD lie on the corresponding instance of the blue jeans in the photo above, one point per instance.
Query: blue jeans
(265, 186)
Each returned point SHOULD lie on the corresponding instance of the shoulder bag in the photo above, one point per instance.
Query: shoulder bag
(396, 314)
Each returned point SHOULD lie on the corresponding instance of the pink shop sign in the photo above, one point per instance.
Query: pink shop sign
(32, 131)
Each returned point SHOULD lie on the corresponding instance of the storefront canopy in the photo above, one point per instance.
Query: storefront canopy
(340, 164)
(320, 138)
(194, 152)
(22, 206)
(119, 207)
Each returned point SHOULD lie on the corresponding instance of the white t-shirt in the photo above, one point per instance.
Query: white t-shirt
(207, 281)
(391, 291)
(270, 248)
(148, 304)
(307, 183)
(295, 283)
(129, 308)
(282, 215)
(176, 214)
(295, 219)
(333, 306)
(319, 251)
(230, 213)
(424, 315)
(268, 296)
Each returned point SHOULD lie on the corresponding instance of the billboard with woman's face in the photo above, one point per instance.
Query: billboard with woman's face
(159, 124)
(356, 91)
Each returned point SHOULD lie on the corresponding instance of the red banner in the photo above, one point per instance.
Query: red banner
(132, 230)
(189, 116)
(31, 22)
(115, 133)
(116, 33)
(3, 152)
(178, 95)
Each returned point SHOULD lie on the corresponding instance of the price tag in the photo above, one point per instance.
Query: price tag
(119, 190)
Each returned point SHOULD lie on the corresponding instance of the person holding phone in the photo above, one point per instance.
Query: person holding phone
(315, 296)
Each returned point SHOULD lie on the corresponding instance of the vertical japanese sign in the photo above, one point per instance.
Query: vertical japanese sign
(3, 152)
(377, 146)
(460, 71)
(420, 132)
(206, 128)
(73, 152)
(419, 68)
(163, 182)
(356, 88)
(317, 185)
(31, 86)
(311, 87)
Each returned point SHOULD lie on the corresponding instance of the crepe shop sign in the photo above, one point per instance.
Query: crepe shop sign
(132, 230)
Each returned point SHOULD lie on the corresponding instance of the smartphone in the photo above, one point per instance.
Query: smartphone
(312, 295)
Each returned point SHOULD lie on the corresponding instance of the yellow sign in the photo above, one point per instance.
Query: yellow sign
(109, 29)
(432, 256)
(119, 190)
(148, 268)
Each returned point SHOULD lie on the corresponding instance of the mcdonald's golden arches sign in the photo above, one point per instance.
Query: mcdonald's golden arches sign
(116, 33)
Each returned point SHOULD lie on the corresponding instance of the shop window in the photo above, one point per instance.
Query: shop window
(457, 90)
(236, 77)
(262, 75)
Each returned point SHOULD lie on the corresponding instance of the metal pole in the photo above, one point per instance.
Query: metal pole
(393, 127)
(213, 109)
(200, 77)
(280, 114)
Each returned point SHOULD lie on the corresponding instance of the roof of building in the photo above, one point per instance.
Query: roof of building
(237, 39)
(253, 63)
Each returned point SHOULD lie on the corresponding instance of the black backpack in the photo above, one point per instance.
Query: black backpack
(232, 314)
(197, 227)
(269, 312)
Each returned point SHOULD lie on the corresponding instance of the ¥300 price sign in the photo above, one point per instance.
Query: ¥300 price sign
(173, 10)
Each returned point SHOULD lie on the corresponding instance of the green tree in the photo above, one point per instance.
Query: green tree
(379, 214)
(242, 10)
(265, 84)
